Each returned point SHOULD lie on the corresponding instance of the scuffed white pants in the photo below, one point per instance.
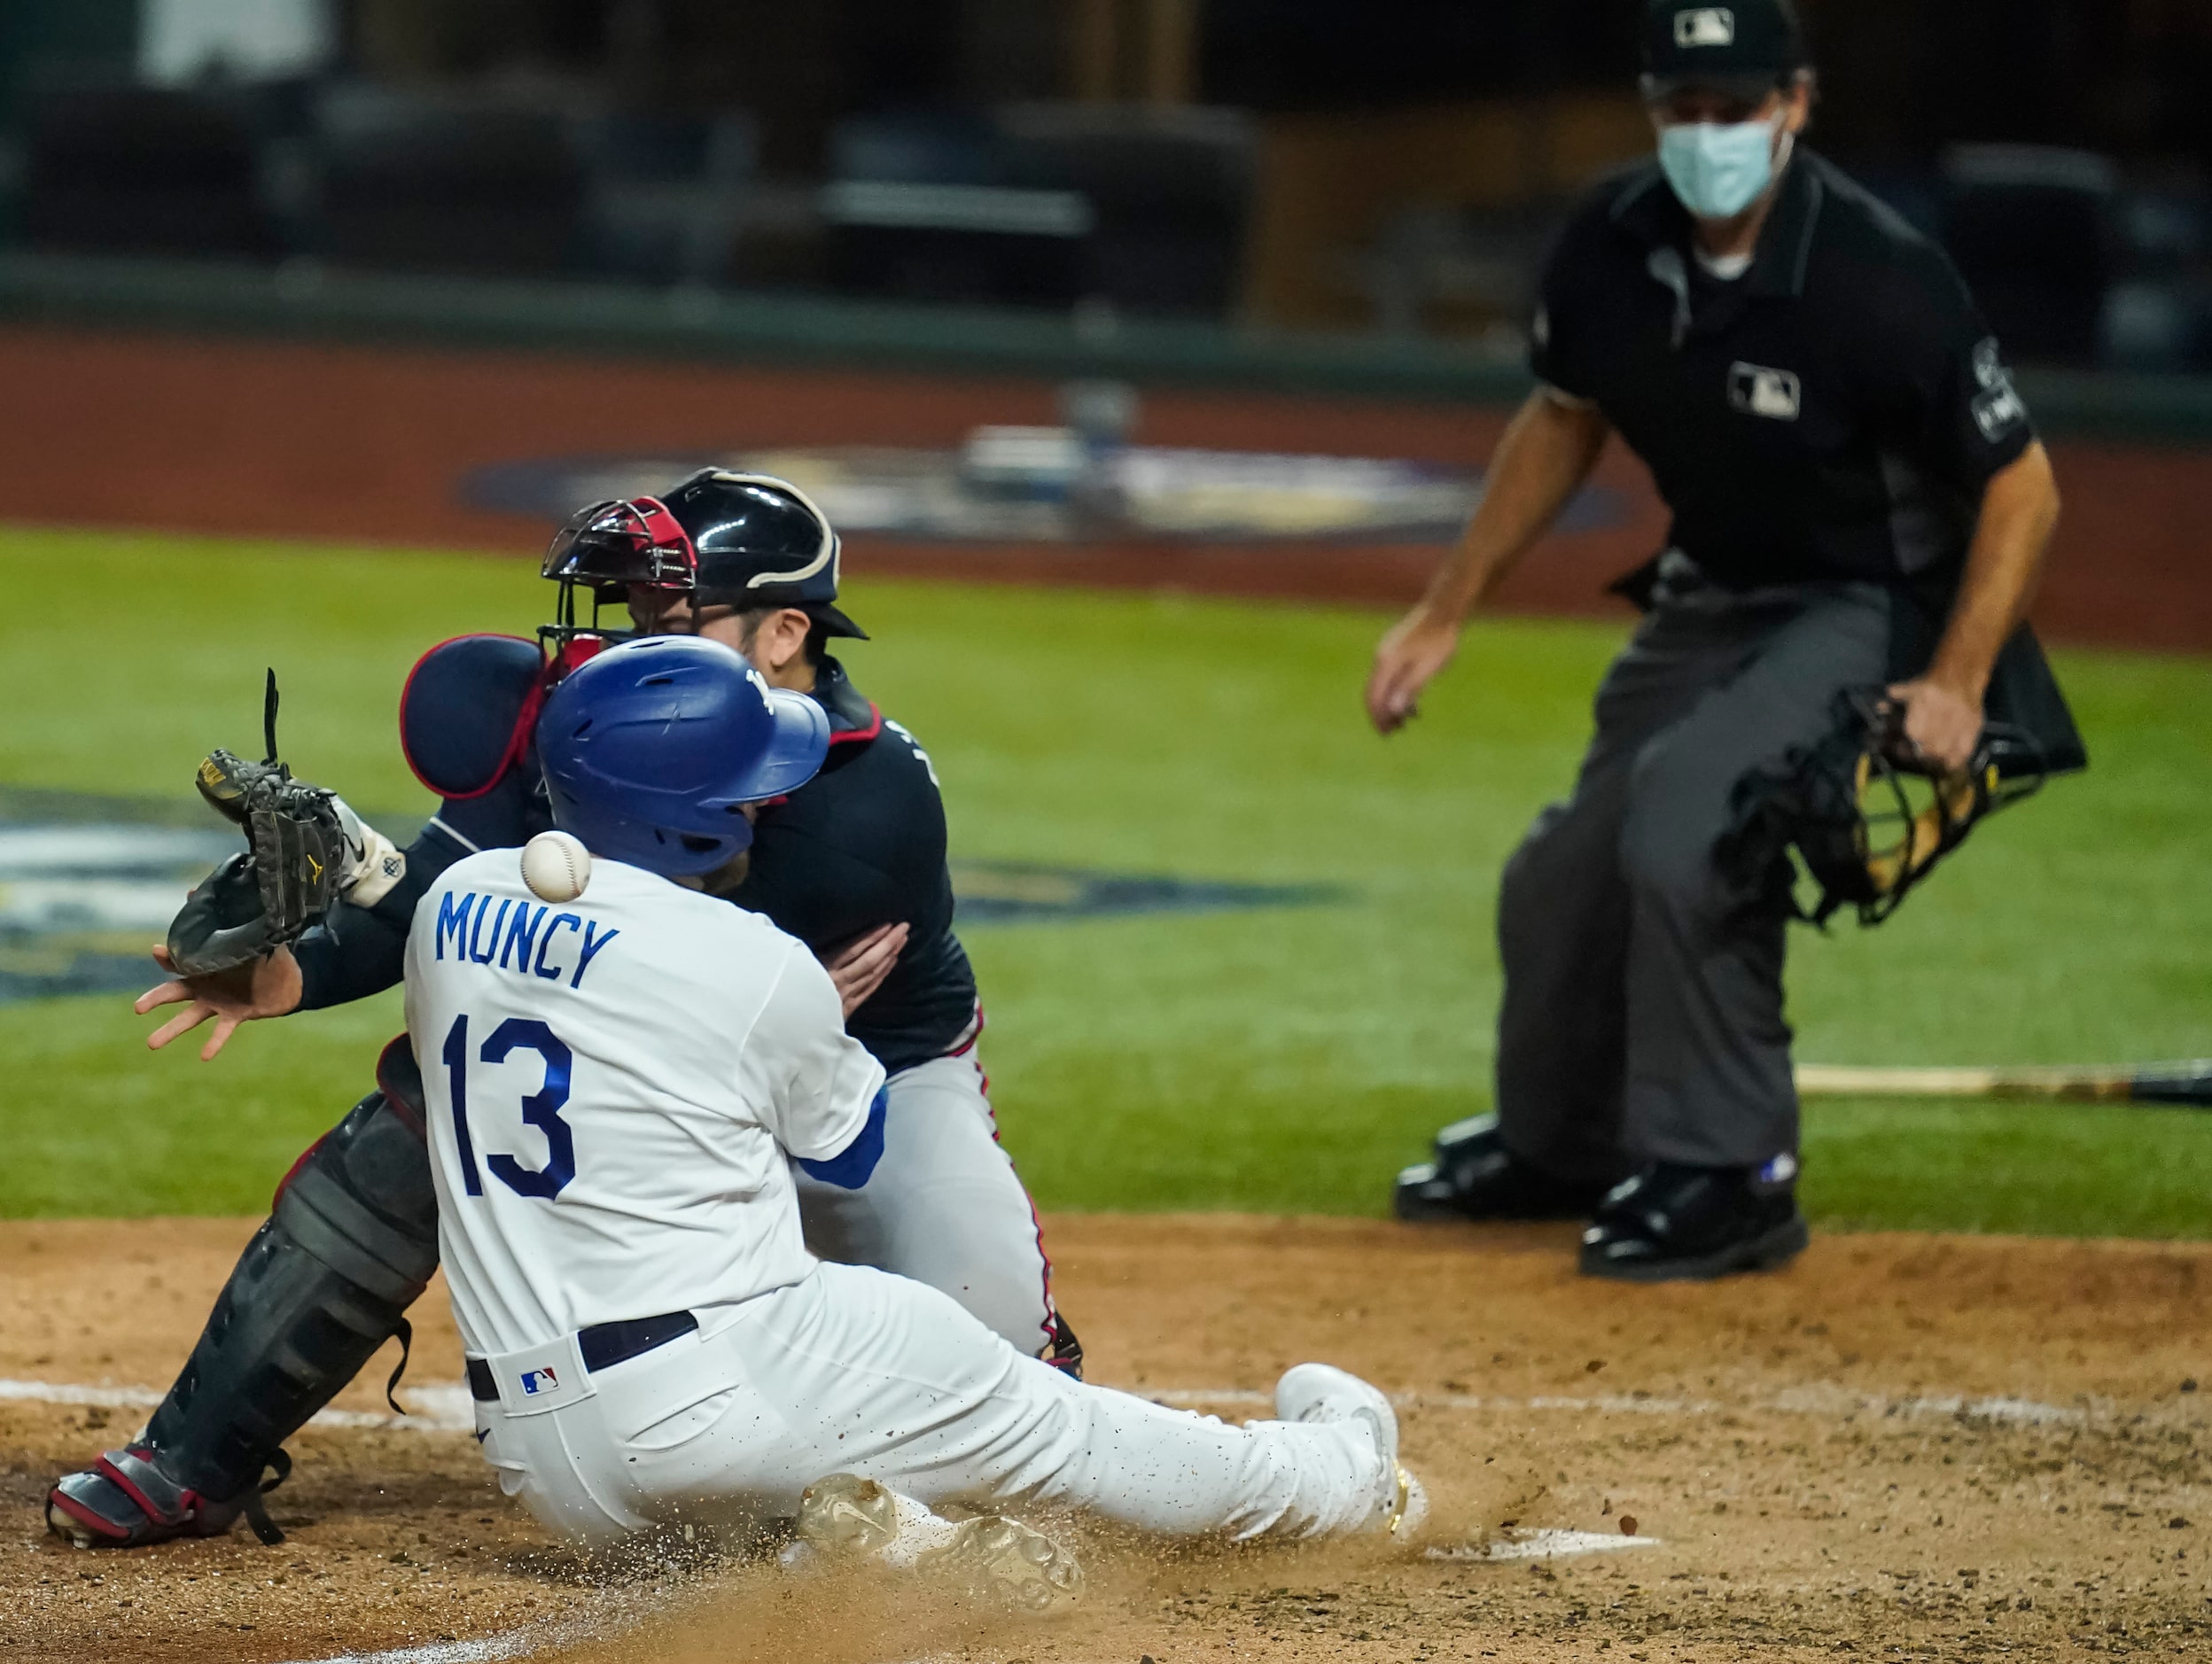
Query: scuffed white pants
(854, 1371)
(944, 1206)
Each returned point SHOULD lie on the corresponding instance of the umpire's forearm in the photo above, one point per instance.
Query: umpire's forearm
(1548, 450)
(2020, 511)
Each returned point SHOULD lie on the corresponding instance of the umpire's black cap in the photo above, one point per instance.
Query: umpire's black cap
(1746, 45)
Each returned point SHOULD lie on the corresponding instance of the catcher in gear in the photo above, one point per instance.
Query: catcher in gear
(852, 864)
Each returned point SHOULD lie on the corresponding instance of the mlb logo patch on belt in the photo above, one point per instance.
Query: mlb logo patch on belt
(538, 1379)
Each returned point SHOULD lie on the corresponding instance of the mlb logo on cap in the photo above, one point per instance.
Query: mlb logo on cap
(539, 1381)
(1705, 25)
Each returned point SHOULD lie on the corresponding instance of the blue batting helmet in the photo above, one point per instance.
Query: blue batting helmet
(652, 747)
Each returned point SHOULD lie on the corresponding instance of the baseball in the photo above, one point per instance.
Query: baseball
(555, 866)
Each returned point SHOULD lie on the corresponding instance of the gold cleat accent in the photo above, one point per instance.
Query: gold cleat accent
(1410, 1511)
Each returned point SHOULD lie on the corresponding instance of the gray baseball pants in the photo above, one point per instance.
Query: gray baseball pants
(1643, 1016)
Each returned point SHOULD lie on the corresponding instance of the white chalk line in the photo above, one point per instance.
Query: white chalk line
(493, 1648)
(1829, 1402)
(1541, 1544)
(448, 1409)
(433, 1409)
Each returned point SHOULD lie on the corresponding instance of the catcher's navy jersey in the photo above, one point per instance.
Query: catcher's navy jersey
(862, 844)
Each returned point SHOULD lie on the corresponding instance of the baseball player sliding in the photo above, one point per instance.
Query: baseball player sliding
(617, 1081)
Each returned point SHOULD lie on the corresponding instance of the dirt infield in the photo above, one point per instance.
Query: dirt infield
(368, 444)
(1904, 1447)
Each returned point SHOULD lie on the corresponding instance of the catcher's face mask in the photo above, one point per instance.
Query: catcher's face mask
(1858, 819)
(610, 549)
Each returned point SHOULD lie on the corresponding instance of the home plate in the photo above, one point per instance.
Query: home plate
(1542, 1545)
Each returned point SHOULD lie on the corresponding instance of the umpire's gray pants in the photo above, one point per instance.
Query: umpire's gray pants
(1643, 1003)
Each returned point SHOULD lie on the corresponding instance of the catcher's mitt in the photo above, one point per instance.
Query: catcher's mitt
(296, 858)
(1862, 813)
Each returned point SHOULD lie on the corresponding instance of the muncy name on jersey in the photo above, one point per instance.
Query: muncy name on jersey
(516, 938)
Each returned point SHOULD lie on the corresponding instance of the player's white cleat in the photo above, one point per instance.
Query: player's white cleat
(1321, 1391)
(989, 1556)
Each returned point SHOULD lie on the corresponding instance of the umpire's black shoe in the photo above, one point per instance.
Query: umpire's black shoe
(1474, 1176)
(1672, 1222)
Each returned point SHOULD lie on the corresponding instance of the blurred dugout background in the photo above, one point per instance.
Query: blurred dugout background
(1387, 168)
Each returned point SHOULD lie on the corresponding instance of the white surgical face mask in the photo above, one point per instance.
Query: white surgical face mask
(1719, 170)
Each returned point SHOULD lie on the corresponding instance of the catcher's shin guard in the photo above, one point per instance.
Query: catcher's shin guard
(324, 1284)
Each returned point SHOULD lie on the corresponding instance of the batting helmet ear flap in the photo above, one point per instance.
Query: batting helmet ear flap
(1860, 817)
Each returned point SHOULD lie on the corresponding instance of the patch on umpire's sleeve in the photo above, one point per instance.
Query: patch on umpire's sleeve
(1997, 409)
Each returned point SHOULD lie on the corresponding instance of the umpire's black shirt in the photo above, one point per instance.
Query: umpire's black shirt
(1834, 412)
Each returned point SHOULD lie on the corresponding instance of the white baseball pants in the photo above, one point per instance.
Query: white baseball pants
(944, 1207)
(853, 1371)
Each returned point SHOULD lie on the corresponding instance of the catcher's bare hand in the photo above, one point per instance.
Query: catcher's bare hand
(269, 987)
(1418, 646)
(859, 967)
(1940, 724)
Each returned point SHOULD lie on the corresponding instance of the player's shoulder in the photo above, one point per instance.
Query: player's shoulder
(475, 873)
(1849, 210)
(1870, 249)
(871, 754)
(466, 712)
(479, 869)
(708, 924)
(1611, 209)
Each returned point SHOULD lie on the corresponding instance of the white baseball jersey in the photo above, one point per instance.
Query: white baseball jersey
(613, 1084)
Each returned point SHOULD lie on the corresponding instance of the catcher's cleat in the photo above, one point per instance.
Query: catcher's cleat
(1063, 1351)
(1474, 1176)
(128, 1499)
(1673, 1223)
(990, 1557)
(1321, 1391)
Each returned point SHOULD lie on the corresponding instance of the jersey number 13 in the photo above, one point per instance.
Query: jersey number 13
(540, 1109)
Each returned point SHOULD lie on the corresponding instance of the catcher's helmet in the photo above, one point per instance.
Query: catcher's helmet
(651, 749)
(720, 537)
(1866, 818)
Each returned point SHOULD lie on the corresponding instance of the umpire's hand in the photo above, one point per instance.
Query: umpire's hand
(1418, 646)
(269, 987)
(1941, 725)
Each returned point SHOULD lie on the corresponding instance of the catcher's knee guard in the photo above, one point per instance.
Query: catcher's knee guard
(325, 1282)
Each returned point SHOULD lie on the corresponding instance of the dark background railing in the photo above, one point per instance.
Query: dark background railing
(1387, 170)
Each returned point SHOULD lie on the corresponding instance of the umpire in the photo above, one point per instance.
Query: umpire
(1858, 499)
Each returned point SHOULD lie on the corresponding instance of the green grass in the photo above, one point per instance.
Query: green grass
(1285, 1060)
